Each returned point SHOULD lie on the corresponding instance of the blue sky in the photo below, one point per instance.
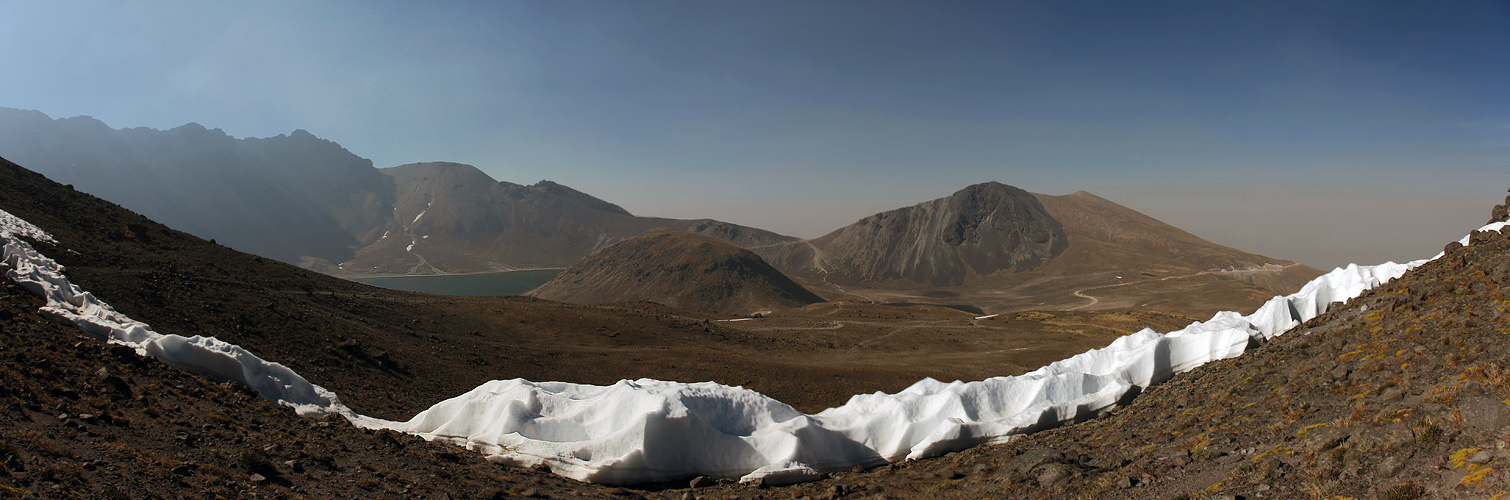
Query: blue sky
(1326, 132)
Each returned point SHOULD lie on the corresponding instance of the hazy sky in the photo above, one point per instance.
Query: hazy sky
(1325, 132)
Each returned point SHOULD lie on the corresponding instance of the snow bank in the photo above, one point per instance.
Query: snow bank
(650, 430)
(205, 355)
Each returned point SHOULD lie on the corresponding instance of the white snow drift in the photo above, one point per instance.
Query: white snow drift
(650, 430)
(207, 355)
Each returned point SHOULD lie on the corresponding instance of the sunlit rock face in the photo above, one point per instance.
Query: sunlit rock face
(979, 230)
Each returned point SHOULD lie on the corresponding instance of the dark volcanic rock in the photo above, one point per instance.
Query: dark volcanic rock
(679, 269)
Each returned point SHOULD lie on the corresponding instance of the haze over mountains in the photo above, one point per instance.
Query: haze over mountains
(305, 200)
(285, 197)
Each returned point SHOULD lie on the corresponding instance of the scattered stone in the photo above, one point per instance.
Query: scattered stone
(1481, 458)
(1484, 413)
(700, 482)
(258, 478)
(1391, 465)
(1054, 475)
(1033, 459)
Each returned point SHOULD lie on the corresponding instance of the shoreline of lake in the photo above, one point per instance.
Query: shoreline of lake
(491, 283)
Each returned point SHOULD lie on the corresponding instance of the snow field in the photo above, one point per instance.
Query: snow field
(650, 430)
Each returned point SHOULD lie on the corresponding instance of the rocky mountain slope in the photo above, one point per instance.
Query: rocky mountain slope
(995, 248)
(453, 218)
(977, 231)
(1401, 393)
(291, 197)
(678, 269)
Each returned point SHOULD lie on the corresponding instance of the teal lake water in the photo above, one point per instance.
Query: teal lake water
(504, 283)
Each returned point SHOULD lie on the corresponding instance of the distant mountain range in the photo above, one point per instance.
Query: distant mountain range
(288, 197)
(308, 201)
(453, 218)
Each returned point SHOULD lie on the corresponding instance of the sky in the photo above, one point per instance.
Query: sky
(1323, 132)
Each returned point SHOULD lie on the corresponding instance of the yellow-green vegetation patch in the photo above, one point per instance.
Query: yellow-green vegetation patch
(14, 491)
(1303, 430)
(1460, 458)
(1475, 477)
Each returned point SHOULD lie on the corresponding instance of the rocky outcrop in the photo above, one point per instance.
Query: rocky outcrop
(678, 269)
(1500, 213)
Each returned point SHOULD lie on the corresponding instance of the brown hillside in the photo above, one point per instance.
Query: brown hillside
(679, 269)
(1109, 240)
(994, 248)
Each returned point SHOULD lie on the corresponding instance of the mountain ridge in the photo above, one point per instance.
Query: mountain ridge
(453, 218)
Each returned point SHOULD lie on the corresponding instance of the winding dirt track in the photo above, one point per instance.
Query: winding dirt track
(1093, 300)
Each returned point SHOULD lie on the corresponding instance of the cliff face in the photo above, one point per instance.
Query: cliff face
(679, 269)
(980, 230)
